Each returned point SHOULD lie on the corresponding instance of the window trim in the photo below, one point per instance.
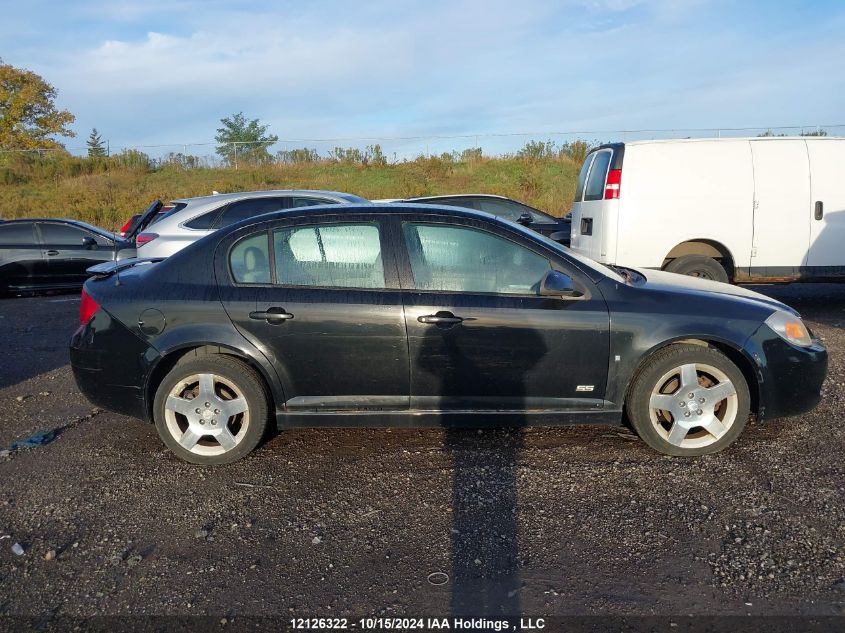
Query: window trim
(473, 226)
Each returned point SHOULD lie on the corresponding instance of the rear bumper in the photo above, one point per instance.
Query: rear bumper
(108, 365)
(791, 376)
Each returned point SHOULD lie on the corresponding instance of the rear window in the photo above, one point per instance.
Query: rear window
(582, 178)
(598, 173)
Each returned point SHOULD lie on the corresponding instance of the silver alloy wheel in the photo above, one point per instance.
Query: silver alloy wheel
(206, 414)
(693, 406)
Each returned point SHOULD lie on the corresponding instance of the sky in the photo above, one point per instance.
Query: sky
(166, 71)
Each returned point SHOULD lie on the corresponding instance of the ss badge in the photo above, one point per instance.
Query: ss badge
(584, 388)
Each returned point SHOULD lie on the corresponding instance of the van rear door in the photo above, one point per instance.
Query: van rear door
(827, 213)
(593, 214)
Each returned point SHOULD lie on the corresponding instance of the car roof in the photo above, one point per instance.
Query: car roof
(235, 195)
(77, 223)
(391, 208)
(458, 195)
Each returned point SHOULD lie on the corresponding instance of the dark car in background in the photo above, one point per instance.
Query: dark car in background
(416, 315)
(53, 254)
(556, 228)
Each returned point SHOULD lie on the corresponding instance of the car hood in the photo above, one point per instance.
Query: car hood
(662, 280)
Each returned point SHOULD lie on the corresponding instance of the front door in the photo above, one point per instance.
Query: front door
(479, 335)
(827, 223)
(322, 302)
(71, 250)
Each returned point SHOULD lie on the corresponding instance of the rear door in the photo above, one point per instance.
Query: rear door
(781, 237)
(320, 296)
(21, 257)
(827, 224)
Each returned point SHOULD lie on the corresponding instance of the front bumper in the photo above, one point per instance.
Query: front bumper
(107, 362)
(791, 377)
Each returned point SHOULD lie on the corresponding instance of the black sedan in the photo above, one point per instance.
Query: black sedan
(556, 228)
(53, 254)
(401, 314)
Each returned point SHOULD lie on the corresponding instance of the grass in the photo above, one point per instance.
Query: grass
(107, 191)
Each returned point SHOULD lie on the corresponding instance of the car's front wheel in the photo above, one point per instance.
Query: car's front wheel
(688, 400)
(211, 409)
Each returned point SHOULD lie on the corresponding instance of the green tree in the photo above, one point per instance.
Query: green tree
(95, 145)
(816, 132)
(243, 141)
(28, 115)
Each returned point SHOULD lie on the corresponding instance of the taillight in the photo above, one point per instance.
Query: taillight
(125, 227)
(614, 181)
(145, 238)
(87, 308)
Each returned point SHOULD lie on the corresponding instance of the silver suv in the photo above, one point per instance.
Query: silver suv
(189, 219)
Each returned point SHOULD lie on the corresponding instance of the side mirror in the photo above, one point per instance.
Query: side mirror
(525, 219)
(558, 284)
(89, 242)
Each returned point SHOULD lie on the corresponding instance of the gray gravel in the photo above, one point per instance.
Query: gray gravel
(327, 522)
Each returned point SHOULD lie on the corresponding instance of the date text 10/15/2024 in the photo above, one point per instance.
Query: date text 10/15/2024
(419, 624)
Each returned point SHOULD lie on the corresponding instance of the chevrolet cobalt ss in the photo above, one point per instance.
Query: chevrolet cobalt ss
(421, 315)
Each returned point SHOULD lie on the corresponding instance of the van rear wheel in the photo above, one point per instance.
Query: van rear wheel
(698, 266)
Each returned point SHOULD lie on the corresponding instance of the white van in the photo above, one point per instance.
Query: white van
(769, 209)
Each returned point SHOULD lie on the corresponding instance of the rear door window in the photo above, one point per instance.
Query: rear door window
(243, 209)
(299, 201)
(582, 177)
(331, 256)
(18, 235)
(598, 174)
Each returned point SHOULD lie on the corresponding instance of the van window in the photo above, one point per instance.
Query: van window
(582, 177)
(598, 174)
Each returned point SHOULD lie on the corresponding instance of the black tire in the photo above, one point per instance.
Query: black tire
(230, 376)
(698, 266)
(652, 372)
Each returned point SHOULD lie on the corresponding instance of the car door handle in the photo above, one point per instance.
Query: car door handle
(819, 210)
(51, 252)
(441, 318)
(271, 315)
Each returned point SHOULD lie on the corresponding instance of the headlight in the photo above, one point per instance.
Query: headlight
(789, 327)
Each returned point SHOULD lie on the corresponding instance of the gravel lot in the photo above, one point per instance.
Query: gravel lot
(579, 520)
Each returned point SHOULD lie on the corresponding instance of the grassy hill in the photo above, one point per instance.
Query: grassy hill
(107, 191)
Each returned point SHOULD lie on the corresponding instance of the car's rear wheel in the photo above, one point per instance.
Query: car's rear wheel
(211, 409)
(688, 400)
(698, 266)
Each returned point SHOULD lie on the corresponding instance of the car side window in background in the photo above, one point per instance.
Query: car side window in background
(250, 260)
(598, 174)
(461, 259)
(203, 222)
(244, 209)
(62, 235)
(510, 209)
(582, 178)
(298, 201)
(332, 256)
(18, 235)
